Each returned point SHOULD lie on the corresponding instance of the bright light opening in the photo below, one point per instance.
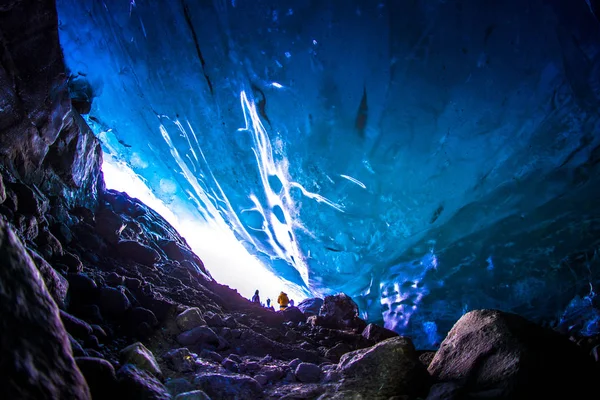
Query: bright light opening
(224, 257)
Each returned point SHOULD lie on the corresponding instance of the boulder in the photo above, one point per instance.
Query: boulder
(56, 284)
(234, 386)
(493, 353)
(138, 252)
(293, 314)
(138, 355)
(100, 377)
(339, 312)
(387, 369)
(310, 307)
(190, 319)
(198, 335)
(308, 373)
(378, 333)
(37, 362)
(135, 383)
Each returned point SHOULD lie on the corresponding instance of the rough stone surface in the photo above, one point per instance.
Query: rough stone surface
(310, 307)
(293, 314)
(138, 252)
(56, 284)
(99, 375)
(200, 334)
(308, 373)
(387, 369)
(138, 384)
(36, 356)
(190, 319)
(377, 333)
(180, 360)
(489, 351)
(340, 312)
(193, 395)
(219, 386)
(138, 355)
(113, 302)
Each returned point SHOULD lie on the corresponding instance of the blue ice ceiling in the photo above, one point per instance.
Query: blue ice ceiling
(425, 157)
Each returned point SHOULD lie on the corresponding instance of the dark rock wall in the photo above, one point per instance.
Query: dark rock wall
(43, 141)
(36, 360)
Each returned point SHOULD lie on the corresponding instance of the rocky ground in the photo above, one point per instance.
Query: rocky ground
(101, 298)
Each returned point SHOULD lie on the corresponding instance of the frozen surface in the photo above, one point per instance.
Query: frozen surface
(425, 157)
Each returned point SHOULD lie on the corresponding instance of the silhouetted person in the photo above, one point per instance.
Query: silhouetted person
(256, 297)
(292, 303)
(268, 303)
(283, 301)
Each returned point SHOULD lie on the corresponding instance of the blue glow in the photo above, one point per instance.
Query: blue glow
(422, 157)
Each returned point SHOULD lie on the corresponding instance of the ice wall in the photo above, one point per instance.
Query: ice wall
(426, 157)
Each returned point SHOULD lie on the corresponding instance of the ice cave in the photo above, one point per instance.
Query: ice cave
(427, 158)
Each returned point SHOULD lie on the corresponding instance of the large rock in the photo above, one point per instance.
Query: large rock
(190, 319)
(100, 376)
(135, 383)
(56, 284)
(503, 355)
(219, 386)
(138, 355)
(308, 373)
(198, 335)
(293, 314)
(340, 312)
(310, 307)
(390, 368)
(37, 362)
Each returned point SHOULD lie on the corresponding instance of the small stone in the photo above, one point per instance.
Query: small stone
(214, 320)
(308, 373)
(71, 261)
(138, 355)
(190, 319)
(211, 355)
(113, 302)
(230, 365)
(180, 360)
(234, 386)
(113, 279)
(235, 358)
(193, 395)
(178, 385)
(294, 364)
(139, 315)
(262, 379)
(75, 326)
(272, 372)
(82, 288)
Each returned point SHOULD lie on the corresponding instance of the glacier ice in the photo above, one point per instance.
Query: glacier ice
(426, 158)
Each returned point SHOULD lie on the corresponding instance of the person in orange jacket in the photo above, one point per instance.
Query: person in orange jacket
(283, 301)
